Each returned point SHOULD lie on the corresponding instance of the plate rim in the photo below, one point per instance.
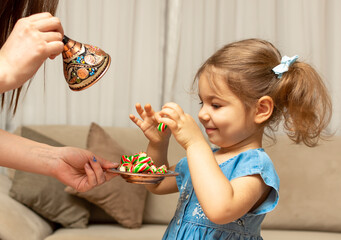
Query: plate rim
(154, 175)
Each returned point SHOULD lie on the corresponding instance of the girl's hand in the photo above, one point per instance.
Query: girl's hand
(184, 128)
(32, 41)
(148, 124)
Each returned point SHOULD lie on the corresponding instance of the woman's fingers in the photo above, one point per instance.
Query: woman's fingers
(96, 175)
(47, 30)
(54, 48)
(90, 173)
(99, 173)
(52, 37)
(45, 22)
(97, 168)
(52, 24)
(39, 16)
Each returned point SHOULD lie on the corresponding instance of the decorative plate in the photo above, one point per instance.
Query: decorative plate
(143, 178)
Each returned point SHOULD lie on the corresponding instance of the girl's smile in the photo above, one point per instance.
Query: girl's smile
(210, 130)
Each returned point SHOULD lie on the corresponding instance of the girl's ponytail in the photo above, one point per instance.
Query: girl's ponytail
(253, 68)
(302, 98)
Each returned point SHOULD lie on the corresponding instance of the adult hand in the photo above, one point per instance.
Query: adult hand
(81, 170)
(32, 41)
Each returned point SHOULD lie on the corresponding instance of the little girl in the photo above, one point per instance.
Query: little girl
(245, 89)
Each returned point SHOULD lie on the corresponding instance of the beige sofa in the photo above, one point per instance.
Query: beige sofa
(309, 206)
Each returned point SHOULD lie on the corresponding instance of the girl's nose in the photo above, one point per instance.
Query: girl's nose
(203, 115)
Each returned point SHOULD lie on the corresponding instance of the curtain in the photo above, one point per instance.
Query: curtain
(156, 46)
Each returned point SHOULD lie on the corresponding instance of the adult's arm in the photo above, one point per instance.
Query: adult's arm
(75, 167)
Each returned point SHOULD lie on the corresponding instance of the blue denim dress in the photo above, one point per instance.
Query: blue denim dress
(190, 222)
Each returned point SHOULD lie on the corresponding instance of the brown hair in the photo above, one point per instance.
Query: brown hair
(10, 12)
(300, 96)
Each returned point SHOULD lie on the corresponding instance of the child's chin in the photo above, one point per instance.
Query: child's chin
(213, 141)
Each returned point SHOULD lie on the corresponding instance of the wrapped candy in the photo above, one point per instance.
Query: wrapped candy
(162, 127)
(126, 167)
(162, 169)
(147, 160)
(125, 159)
(153, 169)
(140, 162)
(140, 167)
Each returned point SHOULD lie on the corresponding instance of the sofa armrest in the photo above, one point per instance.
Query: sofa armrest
(18, 221)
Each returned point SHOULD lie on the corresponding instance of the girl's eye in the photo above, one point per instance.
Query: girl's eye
(215, 106)
(201, 103)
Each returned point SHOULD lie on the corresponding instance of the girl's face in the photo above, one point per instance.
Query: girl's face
(223, 114)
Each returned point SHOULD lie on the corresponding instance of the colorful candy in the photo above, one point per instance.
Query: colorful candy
(141, 167)
(162, 169)
(162, 127)
(140, 162)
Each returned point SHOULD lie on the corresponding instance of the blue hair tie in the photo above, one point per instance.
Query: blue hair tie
(284, 65)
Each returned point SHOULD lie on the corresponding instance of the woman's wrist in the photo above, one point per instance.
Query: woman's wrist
(48, 159)
(4, 76)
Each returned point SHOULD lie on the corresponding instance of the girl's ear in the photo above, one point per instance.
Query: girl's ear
(264, 108)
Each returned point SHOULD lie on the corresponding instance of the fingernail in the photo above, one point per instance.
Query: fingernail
(94, 159)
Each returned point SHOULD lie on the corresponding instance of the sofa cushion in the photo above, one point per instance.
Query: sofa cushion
(121, 200)
(155, 232)
(299, 235)
(34, 135)
(45, 195)
(110, 232)
(66, 135)
(18, 221)
(310, 183)
(160, 209)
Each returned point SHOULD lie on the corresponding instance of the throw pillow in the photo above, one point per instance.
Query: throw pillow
(121, 200)
(46, 196)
